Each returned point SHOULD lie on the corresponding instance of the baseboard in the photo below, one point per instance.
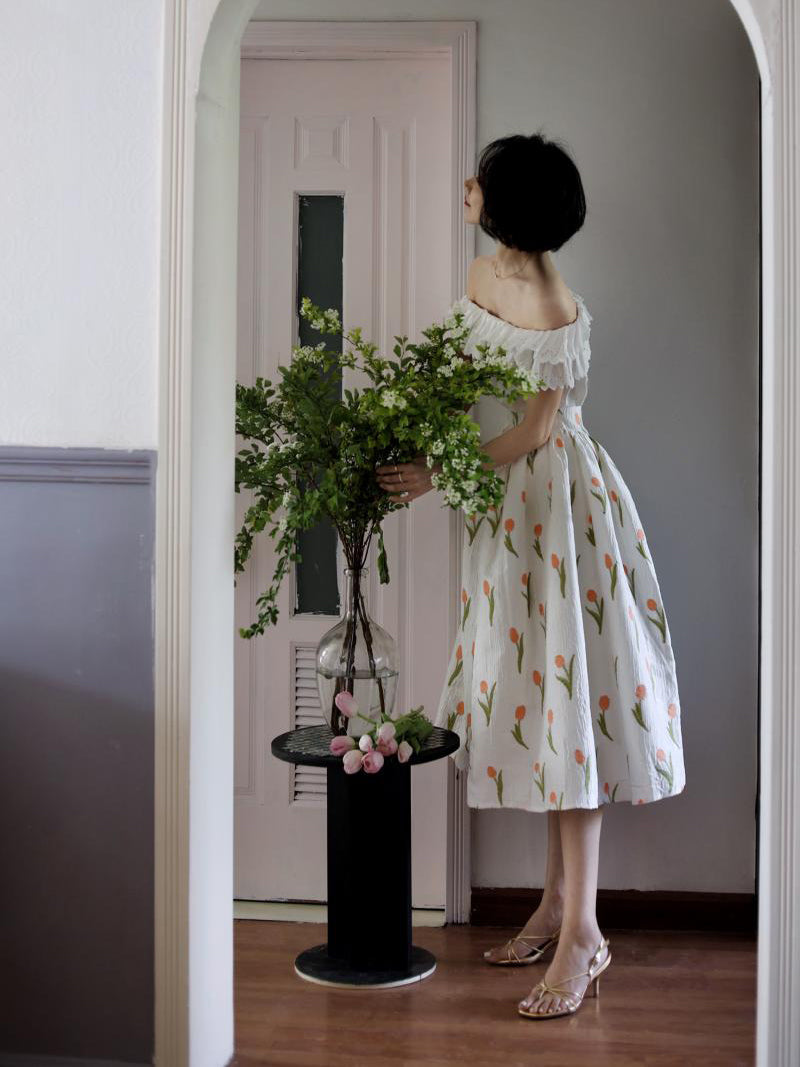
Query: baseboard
(629, 909)
(284, 911)
(26, 1059)
(621, 909)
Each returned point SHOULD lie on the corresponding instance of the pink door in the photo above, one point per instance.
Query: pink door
(346, 191)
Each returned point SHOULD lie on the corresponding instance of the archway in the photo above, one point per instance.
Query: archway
(194, 1008)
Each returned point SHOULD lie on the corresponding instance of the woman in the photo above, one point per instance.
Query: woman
(561, 682)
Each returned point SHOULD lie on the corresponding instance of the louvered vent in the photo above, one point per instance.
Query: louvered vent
(309, 784)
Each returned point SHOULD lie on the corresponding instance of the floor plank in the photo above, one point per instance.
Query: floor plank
(667, 999)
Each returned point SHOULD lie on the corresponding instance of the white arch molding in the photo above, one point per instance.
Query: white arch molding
(194, 595)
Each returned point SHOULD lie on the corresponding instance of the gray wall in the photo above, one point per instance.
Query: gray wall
(76, 752)
(659, 104)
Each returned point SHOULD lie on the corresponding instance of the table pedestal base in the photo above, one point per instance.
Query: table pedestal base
(369, 865)
(315, 965)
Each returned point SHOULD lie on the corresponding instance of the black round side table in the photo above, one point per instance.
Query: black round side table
(369, 865)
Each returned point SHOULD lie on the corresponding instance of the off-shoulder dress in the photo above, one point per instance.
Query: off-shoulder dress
(561, 681)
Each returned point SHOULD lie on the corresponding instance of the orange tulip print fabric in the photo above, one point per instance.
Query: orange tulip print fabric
(561, 683)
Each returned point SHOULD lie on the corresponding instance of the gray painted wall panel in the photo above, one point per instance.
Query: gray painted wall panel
(76, 752)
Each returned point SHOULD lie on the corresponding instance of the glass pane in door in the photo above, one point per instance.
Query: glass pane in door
(320, 276)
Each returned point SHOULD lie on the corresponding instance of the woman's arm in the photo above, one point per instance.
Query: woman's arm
(407, 481)
(531, 433)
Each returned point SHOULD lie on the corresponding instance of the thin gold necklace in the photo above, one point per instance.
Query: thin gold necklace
(513, 272)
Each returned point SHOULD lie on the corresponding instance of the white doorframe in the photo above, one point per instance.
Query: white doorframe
(202, 41)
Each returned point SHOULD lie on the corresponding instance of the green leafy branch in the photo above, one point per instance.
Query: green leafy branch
(302, 430)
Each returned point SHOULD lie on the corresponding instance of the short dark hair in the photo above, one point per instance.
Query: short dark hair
(533, 197)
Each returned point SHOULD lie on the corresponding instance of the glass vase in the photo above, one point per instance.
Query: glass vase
(359, 657)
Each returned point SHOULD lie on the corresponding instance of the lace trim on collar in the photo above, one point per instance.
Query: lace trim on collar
(561, 357)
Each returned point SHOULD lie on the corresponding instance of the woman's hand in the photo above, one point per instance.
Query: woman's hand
(404, 482)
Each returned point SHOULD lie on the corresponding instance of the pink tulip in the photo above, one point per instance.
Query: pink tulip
(365, 744)
(386, 731)
(346, 703)
(341, 744)
(373, 761)
(352, 761)
(404, 751)
(388, 748)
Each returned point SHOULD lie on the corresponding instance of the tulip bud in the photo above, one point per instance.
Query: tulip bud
(404, 751)
(373, 761)
(346, 703)
(352, 761)
(342, 743)
(386, 731)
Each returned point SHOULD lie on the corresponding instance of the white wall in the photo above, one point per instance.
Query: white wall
(80, 181)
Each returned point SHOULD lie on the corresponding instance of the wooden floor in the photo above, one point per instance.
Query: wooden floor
(667, 999)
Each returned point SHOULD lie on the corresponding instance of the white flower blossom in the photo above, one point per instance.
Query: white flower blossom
(390, 398)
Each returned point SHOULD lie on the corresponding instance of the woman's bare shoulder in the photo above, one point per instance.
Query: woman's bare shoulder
(540, 305)
(549, 306)
(476, 272)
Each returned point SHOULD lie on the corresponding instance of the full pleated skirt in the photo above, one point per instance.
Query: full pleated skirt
(561, 682)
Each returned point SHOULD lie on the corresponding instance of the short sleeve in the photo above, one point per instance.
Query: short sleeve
(561, 358)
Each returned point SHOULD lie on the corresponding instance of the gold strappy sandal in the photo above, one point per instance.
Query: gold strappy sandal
(513, 959)
(573, 999)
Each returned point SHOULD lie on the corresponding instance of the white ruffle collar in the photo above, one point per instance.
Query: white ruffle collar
(561, 356)
(506, 333)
